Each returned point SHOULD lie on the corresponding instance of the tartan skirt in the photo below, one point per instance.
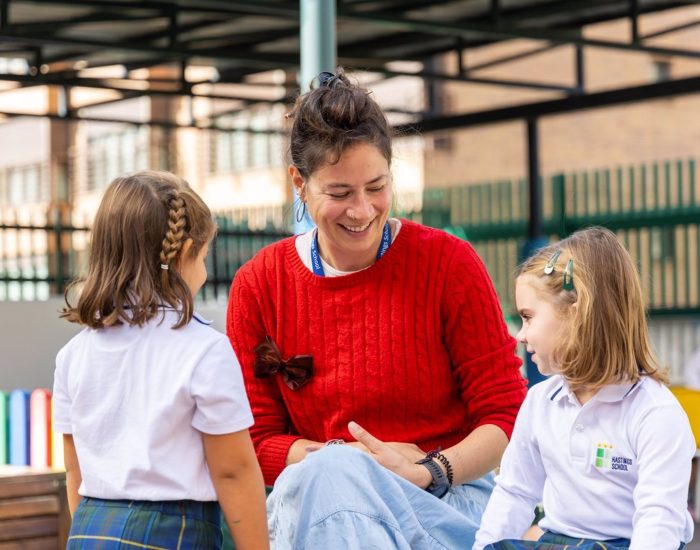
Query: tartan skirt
(129, 524)
(551, 541)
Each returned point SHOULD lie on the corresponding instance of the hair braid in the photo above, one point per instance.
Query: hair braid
(172, 243)
(144, 221)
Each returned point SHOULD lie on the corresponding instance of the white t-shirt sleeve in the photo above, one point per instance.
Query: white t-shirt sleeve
(61, 401)
(217, 388)
(519, 485)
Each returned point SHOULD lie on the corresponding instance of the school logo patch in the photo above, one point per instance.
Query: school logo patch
(603, 455)
(606, 460)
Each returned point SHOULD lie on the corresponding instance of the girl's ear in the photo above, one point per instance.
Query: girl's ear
(574, 309)
(184, 252)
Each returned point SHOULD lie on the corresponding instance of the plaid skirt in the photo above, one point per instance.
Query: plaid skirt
(129, 524)
(550, 541)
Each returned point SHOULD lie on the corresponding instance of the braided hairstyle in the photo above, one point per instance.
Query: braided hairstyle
(139, 233)
(172, 243)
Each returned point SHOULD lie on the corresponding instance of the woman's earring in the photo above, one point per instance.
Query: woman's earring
(301, 211)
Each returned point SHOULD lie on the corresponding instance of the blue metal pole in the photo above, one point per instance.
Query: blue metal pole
(318, 53)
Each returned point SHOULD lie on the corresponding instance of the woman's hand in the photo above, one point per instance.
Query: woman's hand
(410, 451)
(396, 457)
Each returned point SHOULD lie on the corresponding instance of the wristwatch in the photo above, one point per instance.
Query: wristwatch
(440, 484)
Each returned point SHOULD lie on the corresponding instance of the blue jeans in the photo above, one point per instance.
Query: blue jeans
(339, 497)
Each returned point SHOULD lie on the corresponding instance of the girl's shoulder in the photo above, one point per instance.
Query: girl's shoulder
(73, 345)
(652, 394)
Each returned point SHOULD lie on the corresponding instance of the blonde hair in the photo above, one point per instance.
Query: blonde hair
(139, 231)
(606, 340)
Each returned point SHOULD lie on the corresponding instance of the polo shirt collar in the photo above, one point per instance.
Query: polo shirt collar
(197, 317)
(608, 394)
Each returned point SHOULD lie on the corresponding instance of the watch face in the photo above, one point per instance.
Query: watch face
(440, 485)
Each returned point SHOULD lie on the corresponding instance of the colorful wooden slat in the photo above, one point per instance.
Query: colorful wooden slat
(40, 428)
(19, 428)
(4, 428)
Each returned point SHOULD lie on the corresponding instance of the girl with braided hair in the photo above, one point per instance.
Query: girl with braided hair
(149, 398)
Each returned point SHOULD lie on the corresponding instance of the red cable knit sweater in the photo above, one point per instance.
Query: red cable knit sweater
(414, 348)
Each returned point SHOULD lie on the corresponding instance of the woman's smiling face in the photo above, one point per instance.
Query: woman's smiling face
(349, 201)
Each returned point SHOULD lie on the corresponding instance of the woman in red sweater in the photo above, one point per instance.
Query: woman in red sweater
(377, 332)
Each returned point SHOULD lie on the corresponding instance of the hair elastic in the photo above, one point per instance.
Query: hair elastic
(164, 267)
(325, 79)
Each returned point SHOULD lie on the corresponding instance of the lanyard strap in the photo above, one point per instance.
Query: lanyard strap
(316, 264)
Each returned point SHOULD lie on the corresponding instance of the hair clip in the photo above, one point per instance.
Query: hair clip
(549, 267)
(569, 275)
(325, 78)
(164, 267)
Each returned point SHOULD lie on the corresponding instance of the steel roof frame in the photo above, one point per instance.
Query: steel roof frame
(241, 55)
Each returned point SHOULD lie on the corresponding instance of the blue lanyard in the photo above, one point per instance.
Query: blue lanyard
(316, 264)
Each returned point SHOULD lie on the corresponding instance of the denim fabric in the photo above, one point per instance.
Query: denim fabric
(339, 497)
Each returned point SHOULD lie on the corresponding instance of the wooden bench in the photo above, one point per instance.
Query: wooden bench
(34, 511)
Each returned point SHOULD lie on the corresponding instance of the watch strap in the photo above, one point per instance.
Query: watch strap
(440, 484)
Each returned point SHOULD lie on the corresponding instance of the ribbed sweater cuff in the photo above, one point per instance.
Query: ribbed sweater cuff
(273, 455)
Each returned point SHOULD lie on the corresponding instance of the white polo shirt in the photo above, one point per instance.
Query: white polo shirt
(618, 466)
(136, 400)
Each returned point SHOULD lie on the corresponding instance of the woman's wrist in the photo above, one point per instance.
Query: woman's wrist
(297, 450)
(444, 464)
(422, 476)
(439, 468)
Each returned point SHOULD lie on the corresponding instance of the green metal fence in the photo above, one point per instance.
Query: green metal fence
(38, 261)
(654, 209)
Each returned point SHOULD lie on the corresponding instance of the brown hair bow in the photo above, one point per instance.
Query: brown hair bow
(296, 371)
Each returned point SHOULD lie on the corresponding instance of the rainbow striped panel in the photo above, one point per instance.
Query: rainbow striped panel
(57, 451)
(4, 429)
(40, 428)
(19, 428)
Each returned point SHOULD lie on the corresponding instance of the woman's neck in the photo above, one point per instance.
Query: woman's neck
(342, 260)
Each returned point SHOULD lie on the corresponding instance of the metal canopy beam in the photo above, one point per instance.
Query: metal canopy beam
(410, 30)
(469, 29)
(478, 80)
(112, 84)
(557, 106)
(154, 123)
(263, 60)
(510, 58)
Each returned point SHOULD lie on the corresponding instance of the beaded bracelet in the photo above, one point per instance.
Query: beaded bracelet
(446, 463)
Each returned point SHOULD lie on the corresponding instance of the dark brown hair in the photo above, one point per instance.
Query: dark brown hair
(607, 341)
(333, 116)
(135, 252)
